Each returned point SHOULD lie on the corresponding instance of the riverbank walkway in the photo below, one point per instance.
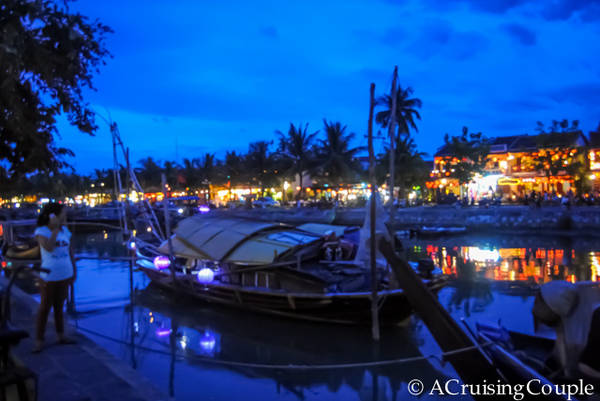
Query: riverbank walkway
(78, 372)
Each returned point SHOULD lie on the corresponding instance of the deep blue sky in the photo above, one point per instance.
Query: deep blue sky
(190, 77)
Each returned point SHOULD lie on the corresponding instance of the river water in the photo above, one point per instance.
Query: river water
(197, 351)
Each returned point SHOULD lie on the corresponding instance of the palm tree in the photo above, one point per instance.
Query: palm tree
(233, 169)
(149, 173)
(260, 164)
(405, 110)
(410, 168)
(191, 172)
(207, 168)
(171, 170)
(336, 159)
(296, 150)
(405, 114)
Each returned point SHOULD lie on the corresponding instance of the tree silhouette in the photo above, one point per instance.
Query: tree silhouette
(48, 56)
(470, 151)
(296, 149)
(336, 159)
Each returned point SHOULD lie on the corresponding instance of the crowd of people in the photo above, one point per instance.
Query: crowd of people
(534, 199)
(539, 199)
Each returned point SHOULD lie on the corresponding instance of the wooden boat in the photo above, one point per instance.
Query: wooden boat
(280, 270)
(522, 358)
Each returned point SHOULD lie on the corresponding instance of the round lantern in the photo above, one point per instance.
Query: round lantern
(162, 262)
(206, 275)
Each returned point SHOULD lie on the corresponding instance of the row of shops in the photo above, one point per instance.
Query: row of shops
(513, 168)
(217, 195)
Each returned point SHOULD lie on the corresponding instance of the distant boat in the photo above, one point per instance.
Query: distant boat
(279, 270)
(435, 230)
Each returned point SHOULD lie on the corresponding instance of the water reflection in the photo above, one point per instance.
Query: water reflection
(534, 263)
(471, 294)
(195, 333)
(168, 339)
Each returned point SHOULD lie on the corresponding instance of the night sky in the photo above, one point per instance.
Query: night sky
(190, 77)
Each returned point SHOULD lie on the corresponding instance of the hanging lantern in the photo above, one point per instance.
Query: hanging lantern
(206, 275)
(208, 343)
(162, 262)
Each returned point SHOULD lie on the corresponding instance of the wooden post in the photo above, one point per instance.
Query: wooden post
(127, 192)
(131, 310)
(168, 227)
(472, 366)
(391, 133)
(115, 164)
(373, 244)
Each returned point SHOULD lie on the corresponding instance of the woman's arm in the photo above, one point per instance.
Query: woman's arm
(48, 243)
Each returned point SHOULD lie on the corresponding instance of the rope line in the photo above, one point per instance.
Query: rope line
(438, 357)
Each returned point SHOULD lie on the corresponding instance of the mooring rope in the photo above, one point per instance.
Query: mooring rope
(438, 357)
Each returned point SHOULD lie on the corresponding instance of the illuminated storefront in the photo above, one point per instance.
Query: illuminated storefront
(516, 166)
(594, 158)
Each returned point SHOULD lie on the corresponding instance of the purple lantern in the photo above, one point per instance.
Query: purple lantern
(163, 332)
(162, 262)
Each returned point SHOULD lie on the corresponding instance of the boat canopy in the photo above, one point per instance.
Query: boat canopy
(321, 229)
(235, 240)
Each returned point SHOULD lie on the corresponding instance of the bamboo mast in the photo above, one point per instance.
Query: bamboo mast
(391, 131)
(373, 245)
(168, 226)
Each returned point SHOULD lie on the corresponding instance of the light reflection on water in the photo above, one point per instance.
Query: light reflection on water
(536, 263)
(169, 340)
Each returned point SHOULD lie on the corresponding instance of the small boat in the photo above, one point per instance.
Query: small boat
(279, 270)
(524, 358)
(434, 230)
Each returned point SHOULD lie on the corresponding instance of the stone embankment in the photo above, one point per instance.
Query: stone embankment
(78, 372)
(508, 219)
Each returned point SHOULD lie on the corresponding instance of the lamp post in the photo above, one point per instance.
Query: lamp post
(286, 185)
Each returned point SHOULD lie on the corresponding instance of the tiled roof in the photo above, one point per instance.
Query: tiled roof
(527, 143)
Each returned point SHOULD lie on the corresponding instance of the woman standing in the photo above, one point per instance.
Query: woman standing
(57, 256)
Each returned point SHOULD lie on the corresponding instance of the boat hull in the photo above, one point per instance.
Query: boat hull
(520, 358)
(338, 308)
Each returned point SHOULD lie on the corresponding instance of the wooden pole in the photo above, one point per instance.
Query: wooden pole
(373, 244)
(391, 133)
(168, 226)
(127, 215)
(115, 164)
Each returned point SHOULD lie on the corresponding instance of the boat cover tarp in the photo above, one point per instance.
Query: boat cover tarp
(264, 248)
(234, 240)
(181, 248)
(321, 229)
(213, 238)
(257, 251)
